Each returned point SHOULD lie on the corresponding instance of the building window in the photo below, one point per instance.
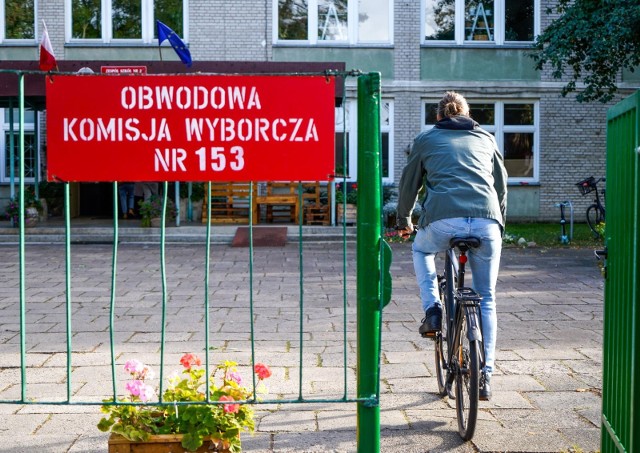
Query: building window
(515, 126)
(130, 20)
(471, 21)
(30, 145)
(17, 20)
(347, 140)
(328, 22)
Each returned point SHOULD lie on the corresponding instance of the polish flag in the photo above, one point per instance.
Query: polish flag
(47, 58)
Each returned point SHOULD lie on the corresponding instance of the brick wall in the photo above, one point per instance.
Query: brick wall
(52, 11)
(220, 30)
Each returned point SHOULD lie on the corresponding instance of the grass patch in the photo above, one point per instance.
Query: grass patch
(548, 234)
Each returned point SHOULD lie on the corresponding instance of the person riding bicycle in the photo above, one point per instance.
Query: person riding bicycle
(465, 182)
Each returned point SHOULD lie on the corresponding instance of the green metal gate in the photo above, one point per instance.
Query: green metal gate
(621, 379)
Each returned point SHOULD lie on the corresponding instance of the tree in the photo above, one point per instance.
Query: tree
(594, 40)
(19, 19)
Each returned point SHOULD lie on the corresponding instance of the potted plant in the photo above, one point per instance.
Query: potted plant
(192, 427)
(32, 208)
(52, 195)
(151, 210)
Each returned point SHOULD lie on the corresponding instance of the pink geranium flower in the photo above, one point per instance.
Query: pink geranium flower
(229, 408)
(235, 377)
(133, 366)
(188, 360)
(138, 369)
(140, 389)
(262, 370)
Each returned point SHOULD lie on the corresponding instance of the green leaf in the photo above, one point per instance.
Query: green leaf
(192, 441)
(104, 425)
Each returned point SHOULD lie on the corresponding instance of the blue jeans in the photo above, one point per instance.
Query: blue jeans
(125, 190)
(484, 263)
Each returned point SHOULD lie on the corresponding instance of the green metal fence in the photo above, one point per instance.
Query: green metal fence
(621, 378)
(373, 259)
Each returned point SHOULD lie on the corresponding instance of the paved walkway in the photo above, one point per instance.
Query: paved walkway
(546, 389)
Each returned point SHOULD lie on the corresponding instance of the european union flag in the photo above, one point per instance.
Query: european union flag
(178, 44)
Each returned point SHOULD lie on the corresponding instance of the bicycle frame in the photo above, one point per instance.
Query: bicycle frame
(596, 200)
(460, 300)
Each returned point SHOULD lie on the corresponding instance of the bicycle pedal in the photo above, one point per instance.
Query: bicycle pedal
(430, 335)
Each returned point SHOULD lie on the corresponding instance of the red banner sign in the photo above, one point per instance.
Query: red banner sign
(190, 128)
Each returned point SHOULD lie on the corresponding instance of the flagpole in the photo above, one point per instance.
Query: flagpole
(159, 42)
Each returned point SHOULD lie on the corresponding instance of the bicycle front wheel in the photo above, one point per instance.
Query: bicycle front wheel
(595, 216)
(467, 385)
(441, 343)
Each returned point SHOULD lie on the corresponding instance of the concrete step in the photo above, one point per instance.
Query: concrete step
(52, 234)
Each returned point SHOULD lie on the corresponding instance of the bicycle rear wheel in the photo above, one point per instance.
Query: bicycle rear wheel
(595, 216)
(467, 385)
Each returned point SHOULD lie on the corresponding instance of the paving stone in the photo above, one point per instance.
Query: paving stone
(69, 423)
(23, 424)
(548, 354)
(491, 436)
(569, 400)
(518, 383)
(289, 421)
(584, 439)
(57, 443)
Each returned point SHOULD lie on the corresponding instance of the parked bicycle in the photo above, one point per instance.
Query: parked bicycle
(459, 350)
(595, 211)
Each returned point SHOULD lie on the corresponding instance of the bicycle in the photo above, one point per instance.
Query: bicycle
(595, 211)
(459, 349)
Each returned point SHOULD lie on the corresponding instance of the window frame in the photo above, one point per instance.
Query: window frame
(106, 10)
(498, 129)
(29, 128)
(351, 128)
(3, 27)
(312, 27)
(459, 27)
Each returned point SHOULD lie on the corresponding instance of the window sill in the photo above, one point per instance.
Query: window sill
(99, 44)
(336, 45)
(25, 43)
(476, 45)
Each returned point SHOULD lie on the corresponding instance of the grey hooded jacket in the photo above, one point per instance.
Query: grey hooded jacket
(462, 171)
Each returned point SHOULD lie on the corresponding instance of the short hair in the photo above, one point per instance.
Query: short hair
(453, 104)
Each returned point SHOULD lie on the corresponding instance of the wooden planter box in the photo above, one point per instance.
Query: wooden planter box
(350, 216)
(160, 443)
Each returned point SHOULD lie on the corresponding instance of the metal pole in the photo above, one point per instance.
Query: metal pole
(12, 157)
(23, 313)
(368, 259)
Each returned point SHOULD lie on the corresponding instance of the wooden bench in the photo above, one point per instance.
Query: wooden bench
(283, 202)
(230, 203)
(280, 200)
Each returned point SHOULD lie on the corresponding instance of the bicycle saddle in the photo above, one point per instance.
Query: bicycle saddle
(467, 243)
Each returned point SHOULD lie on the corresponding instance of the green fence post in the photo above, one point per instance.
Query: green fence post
(368, 259)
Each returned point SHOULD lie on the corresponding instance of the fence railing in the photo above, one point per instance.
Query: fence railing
(373, 287)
